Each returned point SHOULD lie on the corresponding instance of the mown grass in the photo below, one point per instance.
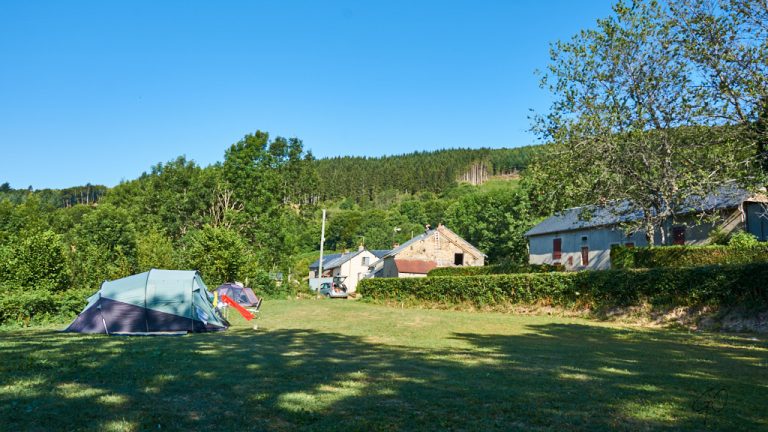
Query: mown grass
(345, 365)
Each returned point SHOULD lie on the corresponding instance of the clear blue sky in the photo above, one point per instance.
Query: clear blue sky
(99, 91)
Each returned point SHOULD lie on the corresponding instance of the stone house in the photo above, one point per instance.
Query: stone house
(439, 247)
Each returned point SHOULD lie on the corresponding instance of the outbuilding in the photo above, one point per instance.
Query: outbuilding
(582, 237)
(439, 247)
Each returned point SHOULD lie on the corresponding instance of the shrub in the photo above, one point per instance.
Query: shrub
(218, 253)
(686, 256)
(743, 240)
(22, 307)
(622, 257)
(36, 259)
(710, 285)
(493, 269)
(264, 286)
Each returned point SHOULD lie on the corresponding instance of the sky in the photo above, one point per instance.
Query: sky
(99, 91)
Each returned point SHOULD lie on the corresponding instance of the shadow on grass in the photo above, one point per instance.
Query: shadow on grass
(555, 377)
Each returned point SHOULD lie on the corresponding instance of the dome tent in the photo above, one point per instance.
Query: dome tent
(242, 295)
(157, 301)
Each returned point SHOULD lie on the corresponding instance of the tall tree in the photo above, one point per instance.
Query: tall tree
(626, 118)
(218, 253)
(495, 222)
(727, 41)
(269, 179)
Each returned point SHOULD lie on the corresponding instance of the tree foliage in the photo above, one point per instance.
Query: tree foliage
(218, 254)
(495, 223)
(630, 120)
(727, 44)
(364, 178)
(35, 260)
(154, 250)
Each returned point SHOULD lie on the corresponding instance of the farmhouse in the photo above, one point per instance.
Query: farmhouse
(581, 237)
(439, 247)
(351, 265)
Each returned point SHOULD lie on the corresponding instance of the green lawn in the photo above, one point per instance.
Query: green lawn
(345, 365)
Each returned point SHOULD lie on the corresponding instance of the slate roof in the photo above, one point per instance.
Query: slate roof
(334, 260)
(578, 218)
(326, 259)
(405, 245)
(340, 260)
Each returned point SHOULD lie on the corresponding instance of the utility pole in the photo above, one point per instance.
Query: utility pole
(322, 241)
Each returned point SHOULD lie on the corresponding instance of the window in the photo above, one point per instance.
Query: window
(458, 259)
(584, 239)
(678, 235)
(629, 244)
(585, 255)
(366, 260)
(557, 251)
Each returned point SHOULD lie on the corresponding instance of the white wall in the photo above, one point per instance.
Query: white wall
(354, 269)
(598, 240)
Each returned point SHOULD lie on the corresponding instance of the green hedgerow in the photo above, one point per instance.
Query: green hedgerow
(687, 256)
(709, 285)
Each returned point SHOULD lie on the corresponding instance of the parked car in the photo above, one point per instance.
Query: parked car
(333, 289)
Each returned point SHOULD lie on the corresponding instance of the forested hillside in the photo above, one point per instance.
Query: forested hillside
(87, 194)
(258, 211)
(362, 178)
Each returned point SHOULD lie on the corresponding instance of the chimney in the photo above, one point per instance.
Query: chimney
(426, 228)
(361, 248)
(395, 245)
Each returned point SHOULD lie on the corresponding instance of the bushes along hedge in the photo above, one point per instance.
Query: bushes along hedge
(686, 256)
(25, 306)
(710, 285)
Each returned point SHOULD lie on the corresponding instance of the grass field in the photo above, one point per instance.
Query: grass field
(345, 365)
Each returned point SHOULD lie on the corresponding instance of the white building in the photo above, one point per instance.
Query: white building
(351, 265)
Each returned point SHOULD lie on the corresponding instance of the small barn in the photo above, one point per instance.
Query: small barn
(439, 247)
(582, 237)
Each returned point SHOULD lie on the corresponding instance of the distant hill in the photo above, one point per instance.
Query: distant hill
(358, 178)
(436, 171)
(87, 194)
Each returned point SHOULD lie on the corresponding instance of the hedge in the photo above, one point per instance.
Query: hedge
(686, 256)
(493, 269)
(23, 307)
(709, 285)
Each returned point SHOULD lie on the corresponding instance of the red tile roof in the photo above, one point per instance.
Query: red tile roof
(414, 266)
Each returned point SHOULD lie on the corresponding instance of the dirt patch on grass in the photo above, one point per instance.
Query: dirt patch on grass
(727, 319)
